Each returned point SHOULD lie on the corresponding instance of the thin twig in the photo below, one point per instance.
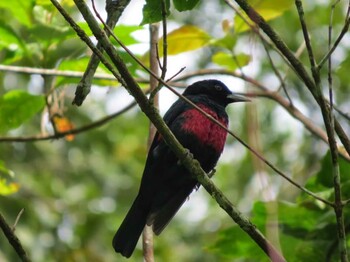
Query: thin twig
(176, 74)
(338, 40)
(277, 73)
(13, 240)
(165, 51)
(147, 235)
(338, 205)
(82, 129)
(314, 70)
(17, 219)
(343, 114)
(51, 72)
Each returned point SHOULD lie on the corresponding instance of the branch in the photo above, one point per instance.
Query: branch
(147, 235)
(192, 165)
(114, 11)
(69, 132)
(338, 204)
(13, 240)
(51, 72)
(339, 38)
(165, 52)
(315, 72)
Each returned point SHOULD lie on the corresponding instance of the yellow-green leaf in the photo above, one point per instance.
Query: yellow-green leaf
(268, 9)
(16, 107)
(7, 188)
(185, 38)
(229, 61)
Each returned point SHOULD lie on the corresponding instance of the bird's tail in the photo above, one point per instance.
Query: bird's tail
(129, 232)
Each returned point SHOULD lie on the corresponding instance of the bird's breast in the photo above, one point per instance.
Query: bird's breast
(205, 130)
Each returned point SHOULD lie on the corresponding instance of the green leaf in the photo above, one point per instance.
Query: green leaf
(9, 37)
(233, 243)
(268, 9)
(184, 5)
(228, 42)
(152, 11)
(229, 61)
(304, 230)
(79, 65)
(20, 10)
(5, 170)
(185, 38)
(123, 32)
(7, 188)
(50, 34)
(325, 175)
(16, 107)
(303, 218)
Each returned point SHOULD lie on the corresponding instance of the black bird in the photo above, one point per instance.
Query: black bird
(166, 183)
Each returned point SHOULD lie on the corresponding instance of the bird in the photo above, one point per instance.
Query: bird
(166, 183)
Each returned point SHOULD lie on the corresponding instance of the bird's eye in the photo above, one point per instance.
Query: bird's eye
(218, 87)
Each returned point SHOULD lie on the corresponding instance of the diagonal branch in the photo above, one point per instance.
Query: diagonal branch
(69, 132)
(114, 11)
(14, 241)
(339, 38)
(310, 52)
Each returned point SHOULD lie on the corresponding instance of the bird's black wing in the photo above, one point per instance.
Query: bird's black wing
(173, 183)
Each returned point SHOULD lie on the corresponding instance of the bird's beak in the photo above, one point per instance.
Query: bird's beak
(233, 98)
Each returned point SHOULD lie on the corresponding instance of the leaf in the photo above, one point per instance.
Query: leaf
(303, 218)
(16, 107)
(8, 188)
(50, 34)
(5, 170)
(9, 37)
(325, 175)
(79, 65)
(268, 9)
(123, 32)
(184, 5)
(185, 38)
(152, 11)
(230, 61)
(228, 42)
(20, 10)
(234, 243)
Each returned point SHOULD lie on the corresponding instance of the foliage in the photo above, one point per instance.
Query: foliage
(76, 191)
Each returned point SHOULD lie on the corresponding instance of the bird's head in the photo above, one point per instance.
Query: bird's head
(214, 90)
